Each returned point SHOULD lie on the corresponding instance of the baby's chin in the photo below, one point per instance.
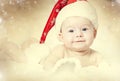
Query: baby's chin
(79, 49)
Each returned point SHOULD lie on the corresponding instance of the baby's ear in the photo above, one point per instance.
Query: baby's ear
(95, 33)
(60, 38)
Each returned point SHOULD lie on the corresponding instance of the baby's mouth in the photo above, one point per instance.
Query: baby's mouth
(80, 41)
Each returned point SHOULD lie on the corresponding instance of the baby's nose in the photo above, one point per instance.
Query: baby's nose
(79, 34)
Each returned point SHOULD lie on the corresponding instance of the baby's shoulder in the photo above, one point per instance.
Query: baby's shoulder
(97, 54)
(57, 51)
(100, 58)
(58, 48)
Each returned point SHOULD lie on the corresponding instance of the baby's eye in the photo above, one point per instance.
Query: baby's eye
(71, 30)
(84, 29)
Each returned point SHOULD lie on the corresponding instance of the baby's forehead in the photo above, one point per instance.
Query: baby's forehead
(75, 21)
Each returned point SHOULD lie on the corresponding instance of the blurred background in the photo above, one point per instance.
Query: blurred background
(22, 22)
(23, 19)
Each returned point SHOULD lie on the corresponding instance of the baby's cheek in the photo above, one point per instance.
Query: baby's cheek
(69, 37)
(89, 36)
(68, 41)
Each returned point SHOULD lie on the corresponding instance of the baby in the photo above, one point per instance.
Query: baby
(76, 25)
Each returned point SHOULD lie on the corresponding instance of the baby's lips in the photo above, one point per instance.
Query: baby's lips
(80, 41)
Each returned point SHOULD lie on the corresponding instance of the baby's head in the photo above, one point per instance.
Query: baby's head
(78, 13)
(77, 25)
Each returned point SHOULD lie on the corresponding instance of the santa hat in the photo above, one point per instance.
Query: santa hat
(79, 8)
(66, 8)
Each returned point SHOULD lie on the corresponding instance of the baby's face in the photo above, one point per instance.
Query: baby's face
(77, 33)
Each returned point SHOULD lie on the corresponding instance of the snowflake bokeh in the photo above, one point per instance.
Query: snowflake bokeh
(14, 6)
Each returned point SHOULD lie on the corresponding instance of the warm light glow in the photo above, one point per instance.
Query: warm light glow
(21, 25)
